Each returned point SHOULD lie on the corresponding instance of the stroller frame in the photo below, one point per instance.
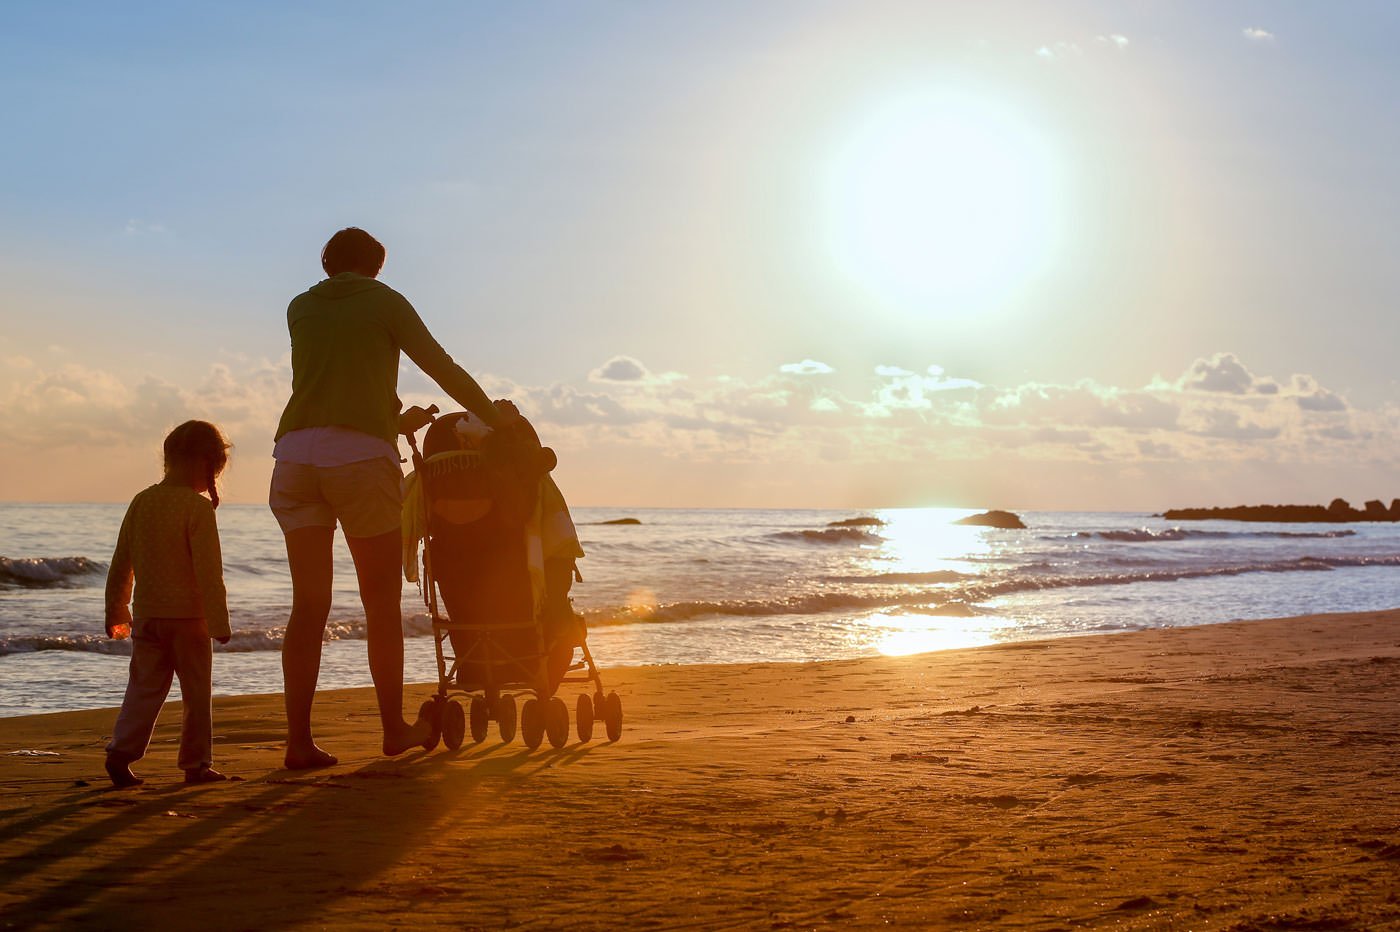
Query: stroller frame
(543, 713)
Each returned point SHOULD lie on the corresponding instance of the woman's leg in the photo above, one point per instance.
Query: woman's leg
(309, 557)
(379, 568)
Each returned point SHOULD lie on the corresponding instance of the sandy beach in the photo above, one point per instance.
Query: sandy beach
(1233, 776)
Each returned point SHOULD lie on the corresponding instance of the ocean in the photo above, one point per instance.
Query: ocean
(720, 586)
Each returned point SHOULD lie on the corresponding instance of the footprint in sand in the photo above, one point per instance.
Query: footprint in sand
(611, 853)
(1161, 778)
(1087, 779)
(1004, 801)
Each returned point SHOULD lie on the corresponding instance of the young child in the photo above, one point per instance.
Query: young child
(170, 543)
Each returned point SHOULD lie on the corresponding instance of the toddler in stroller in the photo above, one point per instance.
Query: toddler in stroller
(499, 550)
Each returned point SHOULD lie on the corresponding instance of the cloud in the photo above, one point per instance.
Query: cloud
(903, 389)
(138, 227)
(76, 406)
(620, 369)
(1083, 404)
(1255, 34)
(1223, 372)
(1311, 396)
(1057, 51)
(563, 404)
(1337, 432)
(1219, 413)
(1228, 424)
(1058, 435)
(806, 367)
(938, 382)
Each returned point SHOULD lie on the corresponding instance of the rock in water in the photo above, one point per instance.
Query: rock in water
(622, 521)
(1001, 519)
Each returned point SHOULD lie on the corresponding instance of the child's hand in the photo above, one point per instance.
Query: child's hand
(119, 623)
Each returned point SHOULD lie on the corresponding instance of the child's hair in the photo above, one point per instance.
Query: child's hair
(352, 250)
(199, 444)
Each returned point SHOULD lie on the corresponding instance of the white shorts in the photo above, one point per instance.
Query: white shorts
(365, 497)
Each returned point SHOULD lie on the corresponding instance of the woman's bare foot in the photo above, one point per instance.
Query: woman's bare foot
(308, 759)
(204, 774)
(418, 735)
(119, 769)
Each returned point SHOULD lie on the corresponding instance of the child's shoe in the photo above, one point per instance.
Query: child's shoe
(203, 774)
(119, 769)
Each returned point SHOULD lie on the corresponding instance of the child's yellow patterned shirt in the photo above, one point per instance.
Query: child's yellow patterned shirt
(170, 542)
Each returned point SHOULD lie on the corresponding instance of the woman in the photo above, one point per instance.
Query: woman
(337, 460)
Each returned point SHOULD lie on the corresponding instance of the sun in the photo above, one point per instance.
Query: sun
(941, 201)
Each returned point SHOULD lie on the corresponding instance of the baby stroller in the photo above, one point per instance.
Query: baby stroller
(498, 552)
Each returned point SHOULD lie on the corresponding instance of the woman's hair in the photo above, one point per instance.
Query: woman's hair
(352, 250)
(202, 446)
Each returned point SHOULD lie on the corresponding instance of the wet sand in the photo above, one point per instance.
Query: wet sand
(1237, 776)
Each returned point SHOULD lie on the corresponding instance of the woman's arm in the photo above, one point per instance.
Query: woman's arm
(429, 355)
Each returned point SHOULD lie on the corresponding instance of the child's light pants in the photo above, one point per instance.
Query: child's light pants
(162, 648)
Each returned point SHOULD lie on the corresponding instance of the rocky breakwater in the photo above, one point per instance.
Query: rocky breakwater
(1338, 511)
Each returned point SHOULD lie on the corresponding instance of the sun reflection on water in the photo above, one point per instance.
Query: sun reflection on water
(900, 635)
(926, 539)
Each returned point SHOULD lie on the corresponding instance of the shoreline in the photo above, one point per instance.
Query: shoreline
(1232, 775)
(90, 680)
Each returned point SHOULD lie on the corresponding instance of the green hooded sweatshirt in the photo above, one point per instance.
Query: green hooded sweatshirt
(347, 332)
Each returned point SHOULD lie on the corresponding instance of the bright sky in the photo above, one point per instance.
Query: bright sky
(1023, 255)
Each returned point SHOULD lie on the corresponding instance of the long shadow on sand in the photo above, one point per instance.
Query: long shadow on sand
(314, 836)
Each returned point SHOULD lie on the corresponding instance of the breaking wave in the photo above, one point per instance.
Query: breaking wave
(903, 579)
(48, 572)
(1145, 535)
(829, 535)
(974, 589)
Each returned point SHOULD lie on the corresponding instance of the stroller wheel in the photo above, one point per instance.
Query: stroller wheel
(454, 725)
(612, 716)
(505, 718)
(583, 716)
(557, 722)
(531, 723)
(431, 709)
(480, 719)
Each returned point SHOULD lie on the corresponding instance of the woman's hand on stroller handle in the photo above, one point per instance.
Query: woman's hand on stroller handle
(415, 419)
